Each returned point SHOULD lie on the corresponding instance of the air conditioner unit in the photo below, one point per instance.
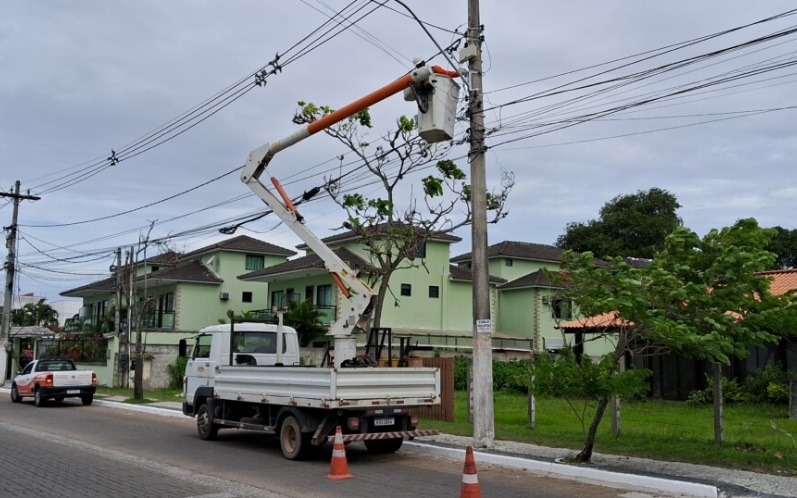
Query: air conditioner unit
(224, 296)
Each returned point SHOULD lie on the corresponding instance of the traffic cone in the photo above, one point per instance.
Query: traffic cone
(470, 481)
(339, 469)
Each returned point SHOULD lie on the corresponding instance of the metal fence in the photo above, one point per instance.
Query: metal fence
(78, 348)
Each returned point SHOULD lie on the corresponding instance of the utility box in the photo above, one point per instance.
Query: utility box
(437, 123)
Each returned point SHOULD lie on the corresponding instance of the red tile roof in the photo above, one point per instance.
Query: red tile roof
(782, 281)
(605, 320)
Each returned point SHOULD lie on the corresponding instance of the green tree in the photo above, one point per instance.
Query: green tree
(784, 245)
(306, 319)
(700, 297)
(394, 235)
(629, 226)
(40, 313)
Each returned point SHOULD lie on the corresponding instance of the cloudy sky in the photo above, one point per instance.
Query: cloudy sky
(168, 86)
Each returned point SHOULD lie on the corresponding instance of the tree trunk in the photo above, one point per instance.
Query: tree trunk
(589, 442)
(793, 396)
(376, 321)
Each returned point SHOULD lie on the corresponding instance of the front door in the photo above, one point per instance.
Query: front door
(199, 370)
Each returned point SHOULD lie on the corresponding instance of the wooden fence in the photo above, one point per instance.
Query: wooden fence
(445, 410)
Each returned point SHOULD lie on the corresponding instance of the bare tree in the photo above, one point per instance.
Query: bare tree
(393, 226)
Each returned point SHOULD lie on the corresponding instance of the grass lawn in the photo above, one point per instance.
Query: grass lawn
(150, 395)
(758, 437)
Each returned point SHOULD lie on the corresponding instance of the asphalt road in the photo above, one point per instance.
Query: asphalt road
(70, 450)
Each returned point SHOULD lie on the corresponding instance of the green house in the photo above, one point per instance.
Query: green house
(187, 292)
(431, 302)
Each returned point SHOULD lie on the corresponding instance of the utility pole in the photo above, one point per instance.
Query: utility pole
(482, 387)
(117, 315)
(11, 245)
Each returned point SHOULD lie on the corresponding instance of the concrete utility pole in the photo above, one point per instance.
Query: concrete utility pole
(11, 245)
(117, 315)
(482, 395)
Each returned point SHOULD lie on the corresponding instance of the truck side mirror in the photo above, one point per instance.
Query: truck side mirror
(182, 350)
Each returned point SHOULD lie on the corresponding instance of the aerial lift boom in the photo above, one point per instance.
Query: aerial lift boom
(362, 297)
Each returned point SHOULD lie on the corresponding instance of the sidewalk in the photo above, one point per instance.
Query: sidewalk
(670, 477)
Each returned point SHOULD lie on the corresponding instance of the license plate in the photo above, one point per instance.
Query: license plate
(73, 391)
(380, 421)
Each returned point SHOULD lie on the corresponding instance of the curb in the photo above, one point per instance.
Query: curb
(562, 470)
(613, 479)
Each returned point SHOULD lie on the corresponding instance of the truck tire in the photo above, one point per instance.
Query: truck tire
(205, 427)
(87, 399)
(15, 397)
(383, 445)
(294, 444)
(38, 399)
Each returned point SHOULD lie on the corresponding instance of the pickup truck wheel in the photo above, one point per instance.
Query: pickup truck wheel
(38, 399)
(383, 445)
(204, 424)
(294, 444)
(15, 397)
(87, 399)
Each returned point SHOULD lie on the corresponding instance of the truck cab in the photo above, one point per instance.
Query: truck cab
(240, 344)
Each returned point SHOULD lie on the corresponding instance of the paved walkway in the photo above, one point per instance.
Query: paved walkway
(675, 478)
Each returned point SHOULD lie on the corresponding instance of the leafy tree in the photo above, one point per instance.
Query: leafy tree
(306, 319)
(393, 234)
(40, 313)
(629, 226)
(784, 245)
(701, 298)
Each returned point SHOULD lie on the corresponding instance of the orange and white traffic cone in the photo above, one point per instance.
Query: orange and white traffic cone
(339, 469)
(470, 481)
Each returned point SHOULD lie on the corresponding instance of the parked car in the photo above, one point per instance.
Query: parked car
(54, 378)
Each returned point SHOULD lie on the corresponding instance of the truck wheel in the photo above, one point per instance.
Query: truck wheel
(294, 444)
(38, 399)
(15, 397)
(204, 424)
(383, 445)
(87, 399)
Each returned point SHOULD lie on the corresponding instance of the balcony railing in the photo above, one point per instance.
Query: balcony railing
(163, 320)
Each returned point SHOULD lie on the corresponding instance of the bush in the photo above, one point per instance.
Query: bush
(176, 372)
(506, 374)
(768, 384)
(732, 392)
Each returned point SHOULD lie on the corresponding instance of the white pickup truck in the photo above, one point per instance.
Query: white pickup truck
(54, 378)
(233, 379)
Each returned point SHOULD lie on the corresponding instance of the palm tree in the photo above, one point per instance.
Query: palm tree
(40, 313)
(306, 319)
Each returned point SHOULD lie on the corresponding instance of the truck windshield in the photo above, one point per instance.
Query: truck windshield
(256, 342)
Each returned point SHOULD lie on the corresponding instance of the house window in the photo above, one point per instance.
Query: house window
(562, 309)
(420, 250)
(406, 289)
(246, 297)
(255, 261)
(156, 268)
(308, 293)
(276, 298)
(509, 262)
(323, 295)
(434, 291)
